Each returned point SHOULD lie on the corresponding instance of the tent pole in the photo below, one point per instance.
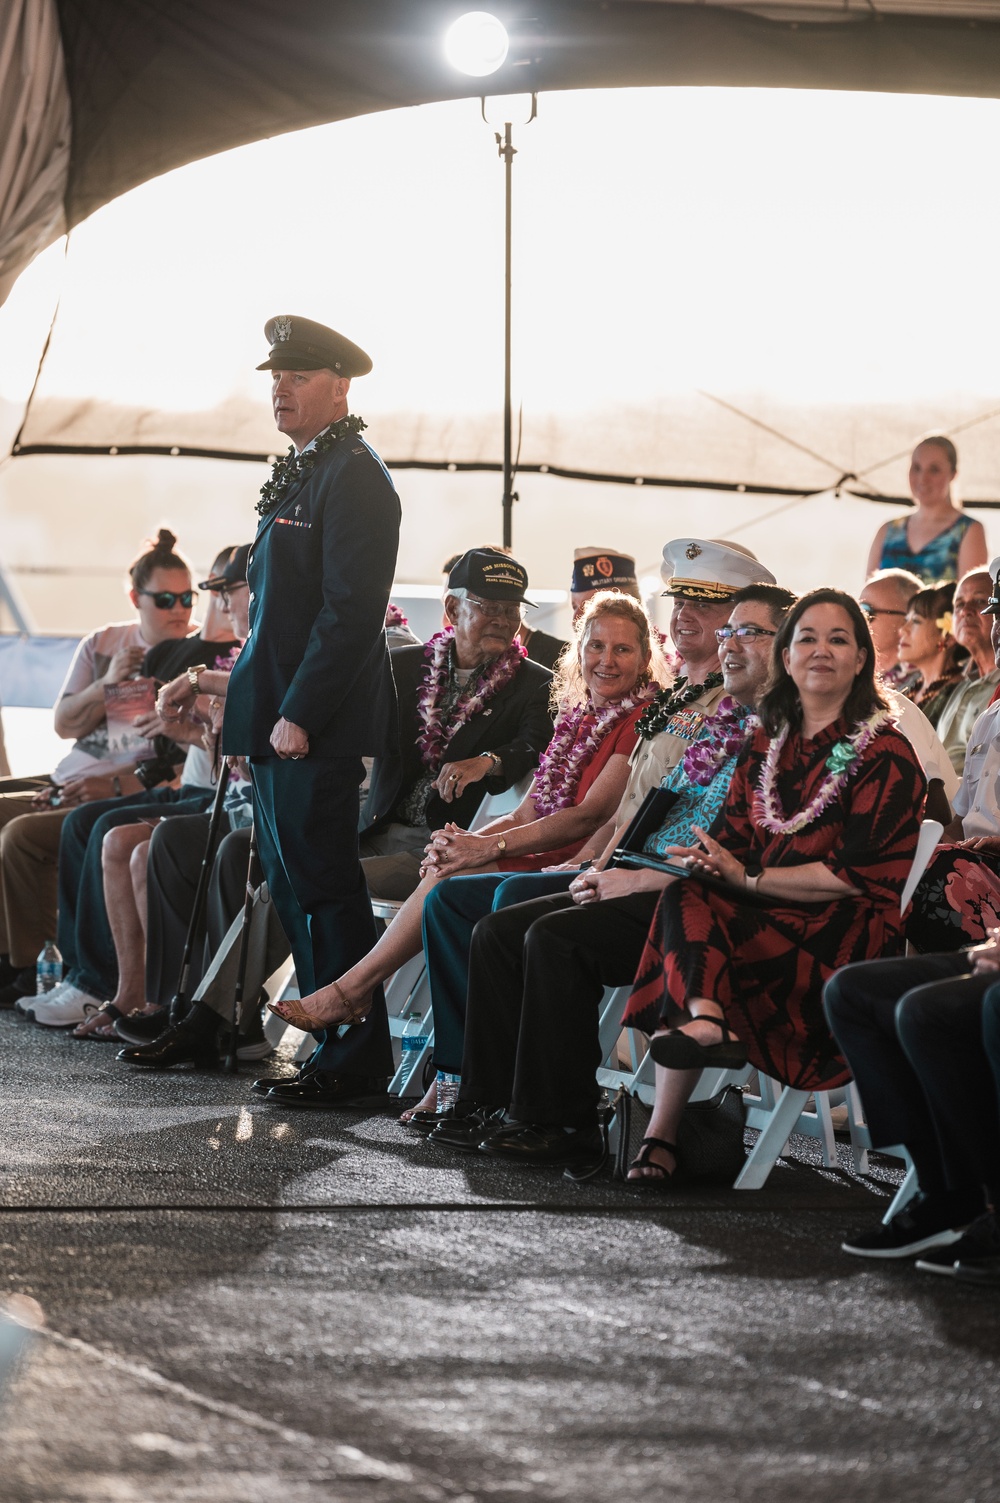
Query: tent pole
(507, 151)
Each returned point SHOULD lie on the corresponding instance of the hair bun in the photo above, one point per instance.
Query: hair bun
(165, 541)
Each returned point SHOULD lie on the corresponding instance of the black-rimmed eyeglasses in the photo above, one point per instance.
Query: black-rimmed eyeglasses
(745, 633)
(871, 611)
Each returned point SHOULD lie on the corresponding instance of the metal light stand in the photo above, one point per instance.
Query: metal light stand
(507, 151)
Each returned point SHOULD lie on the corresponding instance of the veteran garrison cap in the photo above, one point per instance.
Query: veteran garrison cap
(601, 569)
(298, 344)
(233, 572)
(703, 569)
(993, 604)
(491, 574)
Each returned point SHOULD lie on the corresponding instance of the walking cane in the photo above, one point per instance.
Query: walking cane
(253, 882)
(180, 1002)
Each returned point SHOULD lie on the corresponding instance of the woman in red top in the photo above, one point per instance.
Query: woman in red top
(816, 842)
(611, 669)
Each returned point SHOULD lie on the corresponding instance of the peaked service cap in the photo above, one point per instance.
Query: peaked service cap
(699, 569)
(298, 344)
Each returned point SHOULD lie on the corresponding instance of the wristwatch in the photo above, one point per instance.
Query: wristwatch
(497, 762)
(192, 675)
(501, 845)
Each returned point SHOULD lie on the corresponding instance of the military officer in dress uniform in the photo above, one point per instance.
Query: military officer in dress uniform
(312, 692)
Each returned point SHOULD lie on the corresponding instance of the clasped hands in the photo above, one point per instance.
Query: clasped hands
(454, 850)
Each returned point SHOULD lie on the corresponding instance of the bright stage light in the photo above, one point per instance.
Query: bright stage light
(476, 44)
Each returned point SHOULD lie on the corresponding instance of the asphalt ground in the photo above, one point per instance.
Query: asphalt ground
(242, 1303)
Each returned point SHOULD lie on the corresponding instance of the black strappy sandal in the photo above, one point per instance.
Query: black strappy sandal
(679, 1051)
(664, 1178)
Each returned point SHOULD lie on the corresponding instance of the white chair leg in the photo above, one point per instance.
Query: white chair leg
(907, 1189)
(773, 1136)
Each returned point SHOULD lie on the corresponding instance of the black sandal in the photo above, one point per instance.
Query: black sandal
(679, 1051)
(643, 1160)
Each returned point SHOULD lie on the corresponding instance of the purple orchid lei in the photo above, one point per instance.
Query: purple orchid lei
(723, 736)
(435, 735)
(843, 762)
(561, 765)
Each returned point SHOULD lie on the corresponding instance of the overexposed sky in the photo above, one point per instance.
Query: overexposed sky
(788, 250)
(827, 247)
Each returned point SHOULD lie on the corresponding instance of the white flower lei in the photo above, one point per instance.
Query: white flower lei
(843, 761)
(435, 736)
(561, 765)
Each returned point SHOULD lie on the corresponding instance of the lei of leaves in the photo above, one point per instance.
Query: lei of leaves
(293, 467)
(655, 716)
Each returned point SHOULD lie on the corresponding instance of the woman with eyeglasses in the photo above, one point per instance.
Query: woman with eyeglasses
(160, 590)
(927, 644)
(937, 540)
(811, 855)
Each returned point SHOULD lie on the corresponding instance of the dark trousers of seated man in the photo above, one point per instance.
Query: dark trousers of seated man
(175, 856)
(913, 1031)
(84, 932)
(537, 972)
(452, 910)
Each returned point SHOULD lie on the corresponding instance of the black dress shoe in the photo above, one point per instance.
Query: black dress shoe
(266, 1083)
(321, 1090)
(143, 1027)
(466, 1129)
(524, 1143)
(178, 1046)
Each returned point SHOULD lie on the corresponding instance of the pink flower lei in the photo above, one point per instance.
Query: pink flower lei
(722, 736)
(561, 765)
(843, 761)
(435, 736)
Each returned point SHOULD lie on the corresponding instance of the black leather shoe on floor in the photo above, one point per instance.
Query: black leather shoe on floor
(178, 1046)
(143, 1027)
(465, 1130)
(525, 1144)
(320, 1090)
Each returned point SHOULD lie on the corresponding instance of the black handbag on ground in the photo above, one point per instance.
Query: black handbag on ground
(710, 1147)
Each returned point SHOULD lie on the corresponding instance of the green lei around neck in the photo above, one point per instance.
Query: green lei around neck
(654, 717)
(292, 467)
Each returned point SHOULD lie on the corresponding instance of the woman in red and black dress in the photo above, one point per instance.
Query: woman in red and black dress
(815, 845)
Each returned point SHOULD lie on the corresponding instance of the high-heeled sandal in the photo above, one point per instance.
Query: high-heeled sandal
(679, 1051)
(663, 1177)
(110, 1012)
(292, 1011)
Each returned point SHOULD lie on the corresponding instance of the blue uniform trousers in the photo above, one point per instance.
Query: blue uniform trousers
(306, 818)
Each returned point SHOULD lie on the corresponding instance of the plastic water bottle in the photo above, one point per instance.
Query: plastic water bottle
(412, 1043)
(48, 968)
(446, 1087)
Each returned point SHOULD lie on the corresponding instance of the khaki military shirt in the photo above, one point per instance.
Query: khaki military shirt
(652, 760)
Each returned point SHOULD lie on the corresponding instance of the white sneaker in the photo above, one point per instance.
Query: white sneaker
(64, 1007)
(26, 1005)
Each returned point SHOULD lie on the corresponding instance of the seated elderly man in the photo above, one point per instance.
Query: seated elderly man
(922, 1037)
(883, 601)
(537, 969)
(957, 901)
(473, 715)
(980, 675)
(32, 810)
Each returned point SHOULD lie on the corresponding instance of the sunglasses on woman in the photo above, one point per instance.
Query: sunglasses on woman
(165, 600)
